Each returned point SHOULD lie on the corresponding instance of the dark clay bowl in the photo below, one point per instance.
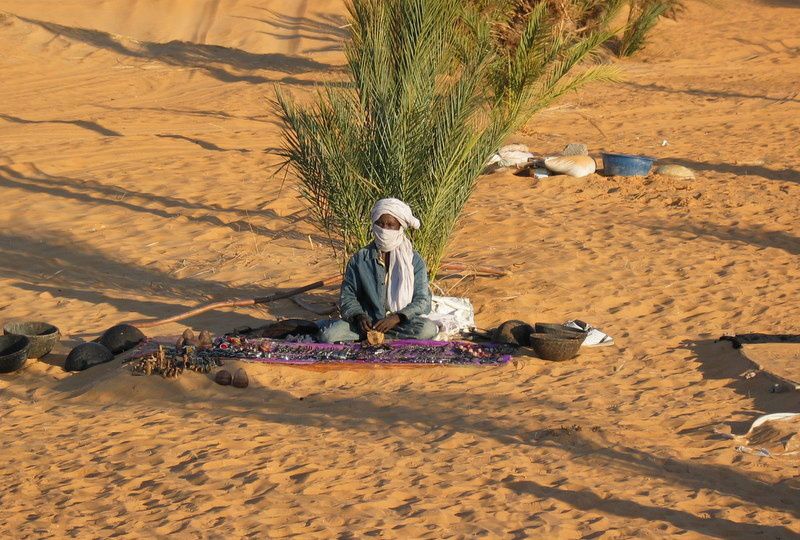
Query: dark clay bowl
(13, 352)
(43, 336)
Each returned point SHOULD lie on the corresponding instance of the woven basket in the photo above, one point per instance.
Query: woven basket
(556, 347)
(43, 336)
(13, 352)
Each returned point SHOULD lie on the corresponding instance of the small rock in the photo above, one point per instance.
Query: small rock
(676, 171)
(778, 388)
(613, 190)
(240, 379)
(575, 149)
(205, 340)
(189, 337)
(223, 377)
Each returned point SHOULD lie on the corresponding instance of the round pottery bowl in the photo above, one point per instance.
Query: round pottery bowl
(13, 352)
(626, 164)
(43, 336)
(555, 347)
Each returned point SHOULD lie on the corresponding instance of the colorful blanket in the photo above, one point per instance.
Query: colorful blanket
(399, 352)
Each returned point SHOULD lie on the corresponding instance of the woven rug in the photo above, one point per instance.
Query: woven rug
(399, 352)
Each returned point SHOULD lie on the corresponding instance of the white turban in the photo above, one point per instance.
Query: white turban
(401, 253)
(398, 209)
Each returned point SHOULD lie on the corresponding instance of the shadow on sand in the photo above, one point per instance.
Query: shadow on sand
(754, 236)
(788, 175)
(711, 93)
(85, 124)
(721, 361)
(103, 195)
(205, 145)
(442, 414)
(328, 29)
(215, 60)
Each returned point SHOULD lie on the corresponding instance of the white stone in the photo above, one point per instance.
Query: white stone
(677, 171)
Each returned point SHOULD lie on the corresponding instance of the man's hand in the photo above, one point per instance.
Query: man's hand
(363, 324)
(387, 324)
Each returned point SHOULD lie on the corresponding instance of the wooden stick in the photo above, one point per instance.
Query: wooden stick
(331, 280)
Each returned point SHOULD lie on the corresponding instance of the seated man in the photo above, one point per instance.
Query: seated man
(385, 286)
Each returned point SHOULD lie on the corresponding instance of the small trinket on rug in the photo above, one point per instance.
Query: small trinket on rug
(205, 340)
(375, 338)
(223, 377)
(189, 338)
(240, 379)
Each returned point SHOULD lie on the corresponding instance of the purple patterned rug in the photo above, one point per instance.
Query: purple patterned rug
(399, 352)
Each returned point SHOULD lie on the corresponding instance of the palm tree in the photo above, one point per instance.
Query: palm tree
(432, 92)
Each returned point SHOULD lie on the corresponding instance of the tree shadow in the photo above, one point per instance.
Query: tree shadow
(754, 236)
(791, 51)
(96, 195)
(759, 338)
(206, 113)
(710, 93)
(205, 145)
(85, 124)
(323, 27)
(788, 175)
(441, 414)
(215, 60)
(781, 3)
(589, 501)
(444, 414)
(719, 360)
(69, 270)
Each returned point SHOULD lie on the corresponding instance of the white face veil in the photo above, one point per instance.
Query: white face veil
(401, 253)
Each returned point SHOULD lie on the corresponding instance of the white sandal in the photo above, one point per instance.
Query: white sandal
(595, 337)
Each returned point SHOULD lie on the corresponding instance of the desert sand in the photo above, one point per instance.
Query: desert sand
(137, 180)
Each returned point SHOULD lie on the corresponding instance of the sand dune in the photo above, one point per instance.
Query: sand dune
(137, 179)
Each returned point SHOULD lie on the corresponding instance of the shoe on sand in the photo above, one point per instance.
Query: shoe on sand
(594, 338)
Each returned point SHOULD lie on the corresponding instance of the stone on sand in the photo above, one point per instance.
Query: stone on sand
(575, 149)
(676, 171)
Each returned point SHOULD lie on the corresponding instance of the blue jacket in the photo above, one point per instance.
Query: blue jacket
(364, 288)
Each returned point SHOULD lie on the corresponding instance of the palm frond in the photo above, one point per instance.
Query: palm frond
(433, 92)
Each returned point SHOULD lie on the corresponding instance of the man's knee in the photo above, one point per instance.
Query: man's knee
(336, 331)
(422, 328)
(427, 330)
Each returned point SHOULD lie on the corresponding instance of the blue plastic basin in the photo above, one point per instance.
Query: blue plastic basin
(626, 164)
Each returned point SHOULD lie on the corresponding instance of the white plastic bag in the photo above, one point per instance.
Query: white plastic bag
(452, 315)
